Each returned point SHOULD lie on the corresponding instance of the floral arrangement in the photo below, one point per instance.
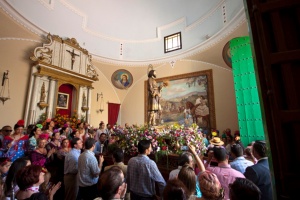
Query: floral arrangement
(165, 140)
(60, 120)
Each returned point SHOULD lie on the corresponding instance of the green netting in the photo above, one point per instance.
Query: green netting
(248, 104)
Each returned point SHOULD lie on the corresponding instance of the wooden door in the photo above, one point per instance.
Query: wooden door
(275, 32)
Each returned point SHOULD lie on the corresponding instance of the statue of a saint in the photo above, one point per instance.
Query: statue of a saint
(83, 100)
(43, 93)
(154, 95)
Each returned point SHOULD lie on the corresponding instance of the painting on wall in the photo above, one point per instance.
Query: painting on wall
(63, 100)
(122, 79)
(187, 98)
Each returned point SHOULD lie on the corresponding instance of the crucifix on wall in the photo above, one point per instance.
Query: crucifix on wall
(73, 54)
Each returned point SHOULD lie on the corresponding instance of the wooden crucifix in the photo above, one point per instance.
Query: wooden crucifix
(73, 54)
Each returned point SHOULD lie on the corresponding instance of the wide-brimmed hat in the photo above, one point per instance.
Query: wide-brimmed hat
(216, 141)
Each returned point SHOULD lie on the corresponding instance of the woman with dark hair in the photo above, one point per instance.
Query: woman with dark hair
(55, 141)
(11, 175)
(29, 179)
(15, 145)
(34, 135)
(112, 184)
(188, 178)
(49, 127)
(175, 190)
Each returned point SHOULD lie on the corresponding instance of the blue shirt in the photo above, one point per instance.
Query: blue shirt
(142, 174)
(240, 164)
(88, 169)
(71, 161)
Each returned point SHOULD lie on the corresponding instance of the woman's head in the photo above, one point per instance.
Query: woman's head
(41, 142)
(31, 175)
(75, 134)
(37, 130)
(65, 143)
(5, 164)
(210, 186)
(56, 135)
(102, 125)
(80, 125)
(112, 183)
(188, 177)
(19, 126)
(175, 190)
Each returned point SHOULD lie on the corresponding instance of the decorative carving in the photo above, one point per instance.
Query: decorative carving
(43, 93)
(42, 105)
(43, 54)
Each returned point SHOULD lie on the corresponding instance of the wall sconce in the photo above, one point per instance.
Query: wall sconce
(101, 101)
(4, 93)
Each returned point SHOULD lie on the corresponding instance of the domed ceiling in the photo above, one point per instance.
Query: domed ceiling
(131, 31)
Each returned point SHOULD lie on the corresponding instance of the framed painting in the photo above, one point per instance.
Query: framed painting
(186, 99)
(122, 79)
(62, 100)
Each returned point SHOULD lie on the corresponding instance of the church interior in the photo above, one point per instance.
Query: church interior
(69, 57)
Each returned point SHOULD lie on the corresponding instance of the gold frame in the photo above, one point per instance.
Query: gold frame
(210, 92)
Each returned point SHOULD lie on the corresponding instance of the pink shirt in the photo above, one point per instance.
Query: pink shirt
(226, 175)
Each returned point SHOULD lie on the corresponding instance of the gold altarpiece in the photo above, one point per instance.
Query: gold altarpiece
(56, 63)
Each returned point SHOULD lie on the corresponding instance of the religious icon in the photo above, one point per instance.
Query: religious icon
(62, 100)
(122, 79)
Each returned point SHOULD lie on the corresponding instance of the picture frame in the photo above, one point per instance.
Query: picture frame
(122, 79)
(181, 95)
(62, 100)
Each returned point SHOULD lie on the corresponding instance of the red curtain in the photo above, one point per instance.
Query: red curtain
(68, 89)
(113, 112)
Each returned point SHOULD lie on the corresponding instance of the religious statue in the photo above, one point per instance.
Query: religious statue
(43, 93)
(154, 95)
(83, 100)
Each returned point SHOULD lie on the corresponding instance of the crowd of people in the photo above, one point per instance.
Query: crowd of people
(49, 162)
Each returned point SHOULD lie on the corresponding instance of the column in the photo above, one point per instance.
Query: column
(33, 103)
(51, 97)
(89, 102)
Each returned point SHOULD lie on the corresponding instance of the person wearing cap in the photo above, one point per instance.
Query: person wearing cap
(15, 145)
(259, 173)
(224, 172)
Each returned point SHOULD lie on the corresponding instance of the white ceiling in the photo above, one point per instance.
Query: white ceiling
(139, 26)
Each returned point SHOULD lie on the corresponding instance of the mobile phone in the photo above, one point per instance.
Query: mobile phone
(184, 148)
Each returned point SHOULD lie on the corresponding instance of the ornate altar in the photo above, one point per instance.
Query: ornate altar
(61, 80)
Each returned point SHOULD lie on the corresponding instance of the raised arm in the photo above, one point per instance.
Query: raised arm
(198, 160)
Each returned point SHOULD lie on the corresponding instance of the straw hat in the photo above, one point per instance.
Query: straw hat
(216, 141)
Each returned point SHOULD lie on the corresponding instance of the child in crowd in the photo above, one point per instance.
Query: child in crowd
(5, 164)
